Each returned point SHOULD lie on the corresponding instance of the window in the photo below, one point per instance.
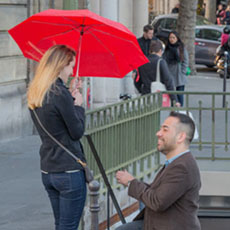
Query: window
(170, 24)
(202, 21)
(211, 34)
(161, 23)
(198, 33)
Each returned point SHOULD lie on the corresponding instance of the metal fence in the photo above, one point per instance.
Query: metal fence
(124, 133)
(124, 136)
(210, 112)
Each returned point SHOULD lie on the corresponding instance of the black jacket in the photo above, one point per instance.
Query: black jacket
(225, 47)
(66, 123)
(148, 75)
(145, 44)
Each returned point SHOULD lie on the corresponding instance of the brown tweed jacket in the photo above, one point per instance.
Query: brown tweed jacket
(171, 200)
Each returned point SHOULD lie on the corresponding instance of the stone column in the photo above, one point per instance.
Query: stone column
(125, 12)
(109, 9)
(83, 4)
(70, 4)
(106, 90)
(140, 16)
(210, 13)
(94, 5)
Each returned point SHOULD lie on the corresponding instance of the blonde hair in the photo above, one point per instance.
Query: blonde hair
(51, 64)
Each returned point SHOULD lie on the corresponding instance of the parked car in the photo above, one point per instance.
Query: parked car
(207, 39)
(207, 36)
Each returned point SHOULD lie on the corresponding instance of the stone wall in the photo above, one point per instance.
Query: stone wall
(16, 70)
(14, 117)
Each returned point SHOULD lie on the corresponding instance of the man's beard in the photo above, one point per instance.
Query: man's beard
(165, 148)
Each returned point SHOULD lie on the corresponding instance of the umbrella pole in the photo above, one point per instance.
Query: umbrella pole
(79, 54)
(105, 178)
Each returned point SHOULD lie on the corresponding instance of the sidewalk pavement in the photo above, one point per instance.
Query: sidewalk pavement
(24, 204)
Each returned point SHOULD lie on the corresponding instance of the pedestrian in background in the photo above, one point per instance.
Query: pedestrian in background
(144, 42)
(148, 72)
(175, 10)
(227, 16)
(63, 117)
(172, 199)
(203, 10)
(176, 56)
(225, 35)
(220, 15)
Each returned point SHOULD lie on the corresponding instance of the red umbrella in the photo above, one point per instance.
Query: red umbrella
(105, 48)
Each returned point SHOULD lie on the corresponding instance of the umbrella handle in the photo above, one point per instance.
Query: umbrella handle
(79, 55)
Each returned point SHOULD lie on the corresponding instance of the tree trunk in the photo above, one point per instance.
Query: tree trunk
(186, 28)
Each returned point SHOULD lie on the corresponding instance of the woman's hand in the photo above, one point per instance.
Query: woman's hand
(78, 99)
(79, 84)
(178, 104)
(75, 90)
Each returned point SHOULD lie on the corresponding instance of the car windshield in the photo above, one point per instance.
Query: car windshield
(202, 21)
(199, 21)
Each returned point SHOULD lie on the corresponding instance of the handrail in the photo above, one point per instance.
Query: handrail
(124, 133)
(116, 128)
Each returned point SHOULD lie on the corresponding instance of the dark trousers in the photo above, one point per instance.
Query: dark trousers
(180, 96)
(67, 194)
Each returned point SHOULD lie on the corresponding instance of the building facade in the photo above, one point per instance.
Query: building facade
(157, 7)
(16, 71)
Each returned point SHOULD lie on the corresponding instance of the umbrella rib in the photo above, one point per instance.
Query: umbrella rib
(103, 45)
(77, 27)
(111, 35)
(32, 55)
(83, 23)
(35, 48)
(55, 35)
(70, 20)
(58, 24)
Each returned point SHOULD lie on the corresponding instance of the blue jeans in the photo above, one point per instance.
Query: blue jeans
(180, 96)
(67, 194)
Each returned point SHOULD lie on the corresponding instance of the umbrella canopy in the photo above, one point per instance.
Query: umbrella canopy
(105, 48)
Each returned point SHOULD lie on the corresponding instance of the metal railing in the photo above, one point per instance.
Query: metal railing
(212, 123)
(124, 134)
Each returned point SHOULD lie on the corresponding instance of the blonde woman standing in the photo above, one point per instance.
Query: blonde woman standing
(63, 117)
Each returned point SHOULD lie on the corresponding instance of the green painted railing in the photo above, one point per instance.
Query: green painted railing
(124, 133)
(211, 116)
(124, 136)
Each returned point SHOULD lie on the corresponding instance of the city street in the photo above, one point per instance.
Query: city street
(111, 40)
(24, 204)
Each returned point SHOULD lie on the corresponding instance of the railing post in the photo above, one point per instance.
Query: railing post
(94, 207)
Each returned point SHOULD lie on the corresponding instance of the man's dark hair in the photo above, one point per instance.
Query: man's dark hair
(146, 28)
(155, 46)
(187, 123)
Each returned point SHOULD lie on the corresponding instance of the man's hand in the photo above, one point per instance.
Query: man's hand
(178, 104)
(123, 177)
